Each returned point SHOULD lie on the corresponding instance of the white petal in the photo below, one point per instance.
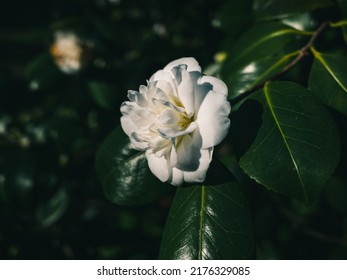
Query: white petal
(203, 85)
(172, 132)
(137, 97)
(141, 117)
(130, 129)
(165, 90)
(188, 152)
(199, 175)
(159, 166)
(213, 120)
(161, 76)
(217, 84)
(177, 177)
(192, 64)
(169, 117)
(186, 91)
(127, 125)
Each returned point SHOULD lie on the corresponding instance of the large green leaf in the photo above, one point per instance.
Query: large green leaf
(297, 146)
(209, 222)
(124, 172)
(269, 9)
(328, 79)
(260, 53)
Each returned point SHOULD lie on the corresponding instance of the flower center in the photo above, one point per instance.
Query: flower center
(184, 122)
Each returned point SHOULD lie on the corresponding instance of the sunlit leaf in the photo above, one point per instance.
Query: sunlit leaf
(297, 146)
(124, 172)
(257, 72)
(209, 222)
(301, 21)
(328, 80)
(260, 53)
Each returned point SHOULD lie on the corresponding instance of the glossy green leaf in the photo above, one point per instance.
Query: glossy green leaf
(260, 53)
(301, 21)
(52, 210)
(270, 9)
(257, 72)
(297, 146)
(124, 172)
(209, 222)
(328, 80)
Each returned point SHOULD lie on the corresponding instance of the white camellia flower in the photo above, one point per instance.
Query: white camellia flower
(177, 119)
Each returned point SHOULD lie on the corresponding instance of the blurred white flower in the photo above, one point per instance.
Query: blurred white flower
(69, 51)
(177, 119)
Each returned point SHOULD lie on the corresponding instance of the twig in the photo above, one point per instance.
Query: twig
(303, 53)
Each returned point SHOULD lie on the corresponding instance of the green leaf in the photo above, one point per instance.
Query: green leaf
(260, 53)
(52, 210)
(209, 222)
(257, 72)
(270, 9)
(328, 80)
(105, 95)
(297, 146)
(124, 172)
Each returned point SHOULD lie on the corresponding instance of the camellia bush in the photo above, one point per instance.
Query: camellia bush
(197, 129)
(269, 112)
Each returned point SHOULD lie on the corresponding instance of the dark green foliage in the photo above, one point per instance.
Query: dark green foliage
(276, 188)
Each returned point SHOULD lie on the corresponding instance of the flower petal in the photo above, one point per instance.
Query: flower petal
(213, 120)
(199, 175)
(165, 80)
(137, 97)
(159, 166)
(172, 132)
(217, 84)
(177, 177)
(192, 64)
(140, 116)
(185, 90)
(187, 152)
(129, 128)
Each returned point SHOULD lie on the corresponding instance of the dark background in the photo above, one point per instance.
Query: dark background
(51, 124)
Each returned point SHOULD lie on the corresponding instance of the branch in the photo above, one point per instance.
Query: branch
(303, 53)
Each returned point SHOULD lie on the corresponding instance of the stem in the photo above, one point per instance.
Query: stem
(302, 53)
